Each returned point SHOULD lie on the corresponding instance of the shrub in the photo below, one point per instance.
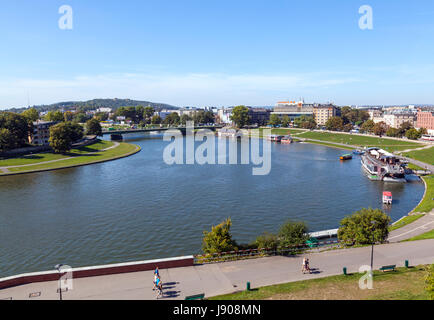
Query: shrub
(293, 233)
(219, 239)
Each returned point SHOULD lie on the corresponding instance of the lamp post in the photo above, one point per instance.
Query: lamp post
(372, 249)
(58, 268)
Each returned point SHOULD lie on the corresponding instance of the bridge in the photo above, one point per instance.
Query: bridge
(117, 134)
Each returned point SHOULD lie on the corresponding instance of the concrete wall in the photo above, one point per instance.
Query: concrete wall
(94, 271)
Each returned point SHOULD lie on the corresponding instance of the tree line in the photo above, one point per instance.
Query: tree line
(362, 227)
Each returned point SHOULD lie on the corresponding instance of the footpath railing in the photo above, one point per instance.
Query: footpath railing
(264, 252)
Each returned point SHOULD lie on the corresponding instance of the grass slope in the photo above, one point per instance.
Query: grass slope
(405, 284)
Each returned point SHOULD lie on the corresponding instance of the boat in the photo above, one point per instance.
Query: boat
(381, 165)
(346, 157)
(358, 152)
(275, 138)
(387, 197)
(286, 140)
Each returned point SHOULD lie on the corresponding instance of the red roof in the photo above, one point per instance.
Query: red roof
(387, 194)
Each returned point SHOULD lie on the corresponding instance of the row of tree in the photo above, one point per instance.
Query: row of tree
(14, 130)
(363, 227)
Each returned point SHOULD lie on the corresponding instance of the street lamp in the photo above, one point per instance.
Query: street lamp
(58, 268)
(372, 250)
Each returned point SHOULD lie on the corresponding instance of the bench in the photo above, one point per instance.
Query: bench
(385, 268)
(200, 296)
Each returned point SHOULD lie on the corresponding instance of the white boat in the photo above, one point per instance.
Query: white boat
(383, 166)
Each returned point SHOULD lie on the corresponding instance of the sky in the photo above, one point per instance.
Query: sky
(217, 53)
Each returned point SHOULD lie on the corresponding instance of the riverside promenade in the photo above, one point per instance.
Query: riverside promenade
(228, 277)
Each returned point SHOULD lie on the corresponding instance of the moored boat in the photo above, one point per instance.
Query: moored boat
(387, 197)
(286, 140)
(346, 157)
(358, 152)
(275, 138)
(383, 166)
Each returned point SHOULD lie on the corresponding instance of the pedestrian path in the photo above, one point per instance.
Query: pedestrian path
(228, 277)
(418, 227)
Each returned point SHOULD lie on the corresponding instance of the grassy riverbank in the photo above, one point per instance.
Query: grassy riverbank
(427, 203)
(99, 152)
(361, 141)
(426, 155)
(403, 284)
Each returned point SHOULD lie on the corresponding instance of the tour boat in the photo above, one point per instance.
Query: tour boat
(383, 166)
(346, 157)
(286, 140)
(275, 138)
(387, 197)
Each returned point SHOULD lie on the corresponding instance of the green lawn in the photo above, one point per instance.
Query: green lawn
(405, 221)
(424, 236)
(426, 155)
(427, 203)
(43, 157)
(362, 141)
(405, 284)
(278, 131)
(78, 157)
(330, 145)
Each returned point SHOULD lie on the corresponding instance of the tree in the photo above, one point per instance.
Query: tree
(31, 114)
(367, 126)
(293, 233)
(348, 127)
(54, 116)
(185, 118)
(335, 124)
(172, 119)
(18, 126)
(404, 127)
(93, 127)
(274, 120)
(219, 239)
(358, 229)
(309, 123)
(101, 116)
(156, 119)
(393, 132)
(286, 121)
(81, 117)
(7, 140)
(240, 116)
(380, 128)
(68, 116)
(63, 135)
(148, 113)
(413, 134)
(423, 131)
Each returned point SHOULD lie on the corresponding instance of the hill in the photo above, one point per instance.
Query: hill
(97, 103)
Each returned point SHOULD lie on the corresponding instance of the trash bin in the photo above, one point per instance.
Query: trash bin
(406, 263)
(345, 270)
(248, 286)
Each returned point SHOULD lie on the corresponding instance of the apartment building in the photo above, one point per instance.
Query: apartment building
(322, 113)
(41, 133)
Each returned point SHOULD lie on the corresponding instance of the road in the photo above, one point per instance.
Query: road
(228, 277)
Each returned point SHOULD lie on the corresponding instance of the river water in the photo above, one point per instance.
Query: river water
(141, 208)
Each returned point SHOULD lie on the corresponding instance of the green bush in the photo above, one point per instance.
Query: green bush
(219, 239)
(267, 241)
(357, 229)
(293, 233)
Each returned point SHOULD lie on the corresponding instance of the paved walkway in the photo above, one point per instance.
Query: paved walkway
(222, 278)
(420, 226)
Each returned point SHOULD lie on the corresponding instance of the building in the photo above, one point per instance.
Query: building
(293, 109)
(400, 118)
(425, 119)
(107, 110)
(394, 120)
(41, 133)
(224, 115)
(259, 116)
(322, 113)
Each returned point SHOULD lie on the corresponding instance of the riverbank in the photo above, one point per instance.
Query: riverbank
(101, 151)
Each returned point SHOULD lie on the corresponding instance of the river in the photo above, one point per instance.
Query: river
(140, 208)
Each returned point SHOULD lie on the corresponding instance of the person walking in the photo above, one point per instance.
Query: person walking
(303, 265)
(159, 286)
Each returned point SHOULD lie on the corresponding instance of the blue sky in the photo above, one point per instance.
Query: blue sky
(214, 53)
